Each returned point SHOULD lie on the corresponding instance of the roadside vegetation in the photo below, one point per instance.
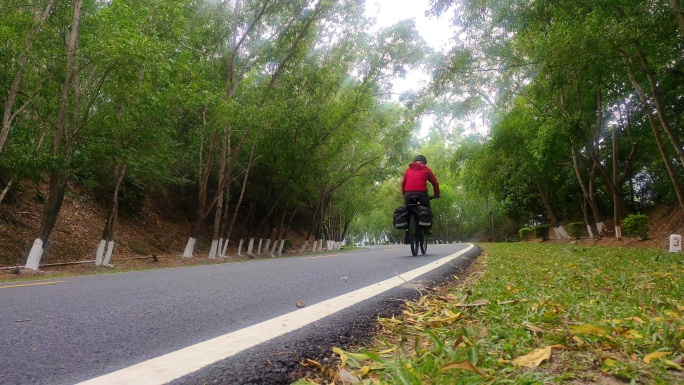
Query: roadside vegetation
(534, 313)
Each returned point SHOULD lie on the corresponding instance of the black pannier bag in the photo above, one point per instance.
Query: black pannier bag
(401, 218)
(424, 217)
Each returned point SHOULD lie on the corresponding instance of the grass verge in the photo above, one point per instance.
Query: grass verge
(534, 313)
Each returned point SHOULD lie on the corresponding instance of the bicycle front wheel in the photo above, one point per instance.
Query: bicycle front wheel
(414, 238)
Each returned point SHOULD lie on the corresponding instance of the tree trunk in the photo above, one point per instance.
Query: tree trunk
(224, 237)
(106, 246)
(279, 230)
(658, 137)
(592, 200)
(660, 108)
(215, 246)
(617, 196)
(289, 223)
(59, 179)
(560, 232)
(313, 222)
(6, 189)
(347, 222)
(204, 172)
(585, 190)
(270, 211)
(238, 204)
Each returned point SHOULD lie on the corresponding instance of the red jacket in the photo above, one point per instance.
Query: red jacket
(416, 177)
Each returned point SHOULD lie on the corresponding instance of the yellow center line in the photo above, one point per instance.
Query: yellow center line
(33, 284)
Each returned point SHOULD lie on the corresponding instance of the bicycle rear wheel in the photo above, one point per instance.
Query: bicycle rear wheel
(423, 243)
(414, 239)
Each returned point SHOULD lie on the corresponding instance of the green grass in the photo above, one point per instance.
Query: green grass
(605, 315)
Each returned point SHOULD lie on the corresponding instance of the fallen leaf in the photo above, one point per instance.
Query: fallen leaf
(535, 329)
(635, 319)
(655, 355)
(463, 365)
(533, 359)
(362, 372)
(307, 362)
(579, 341)
(673, 314)
(355, 357)
(608, 363)
(633, 334)
(672, 365)
(588, 329)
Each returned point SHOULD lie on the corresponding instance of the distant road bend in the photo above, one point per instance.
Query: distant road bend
(233, 323)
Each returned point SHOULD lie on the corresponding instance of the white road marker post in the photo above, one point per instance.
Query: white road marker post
(250, 246)
(675, 243)
(267, 246)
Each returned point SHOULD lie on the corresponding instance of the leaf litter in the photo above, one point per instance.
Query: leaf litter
(534, 313)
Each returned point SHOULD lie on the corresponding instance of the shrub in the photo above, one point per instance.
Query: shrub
(576, 229)
(525, 233)
(636, 225)
(542, 232)
(288, 244)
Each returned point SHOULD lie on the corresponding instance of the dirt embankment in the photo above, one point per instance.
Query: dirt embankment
(77, 233)
(163, 233)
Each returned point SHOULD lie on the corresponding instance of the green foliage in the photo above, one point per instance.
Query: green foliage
(555, 71)
(525, 233)
(576, 229)
(636, 225)
(542, 232)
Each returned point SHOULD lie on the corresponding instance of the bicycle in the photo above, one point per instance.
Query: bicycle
(416, 230)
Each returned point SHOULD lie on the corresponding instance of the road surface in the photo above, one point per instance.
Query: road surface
(237, 323)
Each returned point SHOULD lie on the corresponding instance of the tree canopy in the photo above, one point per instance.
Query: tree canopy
(280, 111)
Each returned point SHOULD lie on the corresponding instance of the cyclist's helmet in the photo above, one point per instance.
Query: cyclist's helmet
(420, 158)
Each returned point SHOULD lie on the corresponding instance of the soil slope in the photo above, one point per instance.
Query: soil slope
(163, 234)
(80, 225)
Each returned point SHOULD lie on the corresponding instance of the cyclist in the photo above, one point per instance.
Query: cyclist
(415, 181)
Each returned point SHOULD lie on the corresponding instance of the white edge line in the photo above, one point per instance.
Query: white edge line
(171, 366)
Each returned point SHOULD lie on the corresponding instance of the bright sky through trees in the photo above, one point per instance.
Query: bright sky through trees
(437, 32)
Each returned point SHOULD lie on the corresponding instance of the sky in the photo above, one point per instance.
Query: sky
(436, 32)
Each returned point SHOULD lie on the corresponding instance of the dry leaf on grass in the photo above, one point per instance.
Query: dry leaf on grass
(463, 365)
(588, 329)
(655, 355)
(536, 357)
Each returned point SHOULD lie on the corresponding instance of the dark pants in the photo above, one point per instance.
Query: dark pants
(423, 195)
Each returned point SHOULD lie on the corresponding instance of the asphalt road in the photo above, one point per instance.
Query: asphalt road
(67, 331)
